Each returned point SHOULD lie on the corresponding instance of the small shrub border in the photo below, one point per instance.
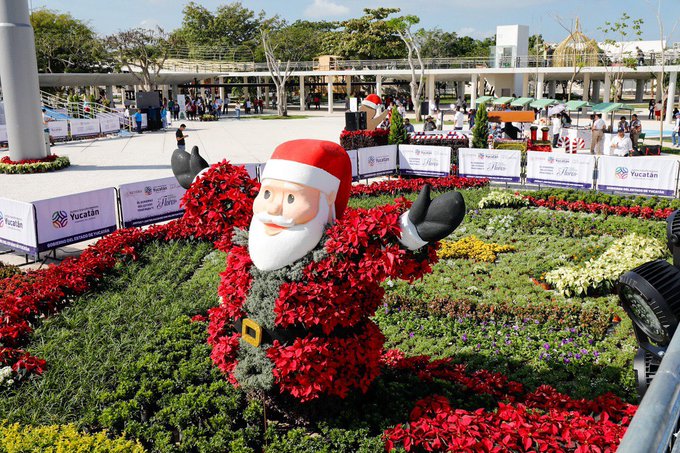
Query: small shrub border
(401, 186)
(50, 163)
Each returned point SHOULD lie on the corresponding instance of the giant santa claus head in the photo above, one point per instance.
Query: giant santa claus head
(305, 186)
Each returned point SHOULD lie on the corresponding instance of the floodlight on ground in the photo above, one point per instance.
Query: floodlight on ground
(650, 295)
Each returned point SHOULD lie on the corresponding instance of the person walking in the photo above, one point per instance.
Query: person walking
(651, 109)
(180, 136)
(237, 108)
(458, 119)
(138, 120)
(556, 127)
(657, 110)
(675, 136)
(635, 130)
(597, 129)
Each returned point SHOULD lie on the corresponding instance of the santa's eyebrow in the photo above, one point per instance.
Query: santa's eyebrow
(292, 187)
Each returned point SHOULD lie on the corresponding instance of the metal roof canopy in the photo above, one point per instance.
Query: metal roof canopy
(540, 103)
(503, 100)
(575, 105)
(608, 107)
(521, 102)
(484, 100)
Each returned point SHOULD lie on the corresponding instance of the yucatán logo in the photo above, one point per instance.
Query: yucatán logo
(621, 172)
(59, 219)
(551, 160)
(2, 220)
(371, 161)
(148, 190)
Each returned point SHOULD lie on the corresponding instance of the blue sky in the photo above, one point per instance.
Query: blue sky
(477, 18)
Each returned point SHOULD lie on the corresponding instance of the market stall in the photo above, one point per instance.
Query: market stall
(574, 137)
(610, 108)
(504, 100)
(484, 100)
(521, 103)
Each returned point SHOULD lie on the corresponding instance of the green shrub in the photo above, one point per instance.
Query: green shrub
(7, 270)
(480, 131)
(15, 438)
(398, 134)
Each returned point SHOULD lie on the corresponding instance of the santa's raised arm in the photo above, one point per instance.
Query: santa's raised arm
(301, 284)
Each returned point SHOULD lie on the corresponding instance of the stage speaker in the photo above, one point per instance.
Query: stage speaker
(425, 108)
(355, 121)
(153, 118)
(148, 100)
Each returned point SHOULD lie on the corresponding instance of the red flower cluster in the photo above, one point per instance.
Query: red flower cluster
(599, 208)
(543, 420)
(340, 291)
(8, 161)
(363, 138)
(25, 298)
(219, 201)
(399, 185)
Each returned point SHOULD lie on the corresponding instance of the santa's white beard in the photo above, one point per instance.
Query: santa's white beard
(274, 252)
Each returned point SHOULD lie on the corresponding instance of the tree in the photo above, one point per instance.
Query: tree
(143, 49)
(66, 44)
(231, 32)
(398, 134)
(480, 131)
(413, 41)
(615, 34)
(367, 37)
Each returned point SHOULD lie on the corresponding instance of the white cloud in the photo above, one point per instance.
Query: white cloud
(149, 24)
(324, 9)
(474, 33)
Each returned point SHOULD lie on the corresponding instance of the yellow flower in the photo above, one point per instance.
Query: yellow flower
(471, 247)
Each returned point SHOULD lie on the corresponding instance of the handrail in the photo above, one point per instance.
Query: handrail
(655, 425)
(81, 109)
(523, 61)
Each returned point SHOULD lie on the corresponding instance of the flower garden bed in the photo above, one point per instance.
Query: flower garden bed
(50, 163)
(477, 345)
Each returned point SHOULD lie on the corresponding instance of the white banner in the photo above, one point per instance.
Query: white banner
(251, 169)
(75, 218)
(424, 160)
(147, 202)
(109, 123)
(84, 127)
(58, 129)
(181, 101)
(353, 159)
(496, 164)
(560, 170)
(3, 134)
(17, 226)
(377, 161)
(639, 175)
(145, 121)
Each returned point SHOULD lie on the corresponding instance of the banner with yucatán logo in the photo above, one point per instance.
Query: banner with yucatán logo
(74, 218)
(3, 133)
(147, 202)
(109, 123)
(639, 175)
(496, 164)
(377, 161)
(353, 159)
(560, 170)
(58, 129)
(82, 128)
(17, 226)
(424, 160)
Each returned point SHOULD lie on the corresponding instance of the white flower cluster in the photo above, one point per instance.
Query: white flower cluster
(502, 199)
(6, 376)
(600, 273)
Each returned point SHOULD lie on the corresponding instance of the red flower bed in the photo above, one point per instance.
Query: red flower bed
(363, 138)
(542, 420)
(399, 186)
(6, 160)
(599, 208)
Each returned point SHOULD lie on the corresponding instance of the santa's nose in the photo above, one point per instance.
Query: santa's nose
(274, 206)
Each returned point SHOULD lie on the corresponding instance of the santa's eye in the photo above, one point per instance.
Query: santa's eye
(267, 194)
(291, 199)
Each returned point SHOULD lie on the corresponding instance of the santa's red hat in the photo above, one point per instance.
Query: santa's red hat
(372, 101)
(315, 163)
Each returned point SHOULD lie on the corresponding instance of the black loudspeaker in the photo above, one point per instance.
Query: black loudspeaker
(355, 121)
(425, 108)
(148, 100)
(153, 119)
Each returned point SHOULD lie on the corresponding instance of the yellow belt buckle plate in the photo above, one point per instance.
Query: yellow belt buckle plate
(251, 332)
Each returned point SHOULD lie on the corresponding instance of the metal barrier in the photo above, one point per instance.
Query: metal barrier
(655, 425)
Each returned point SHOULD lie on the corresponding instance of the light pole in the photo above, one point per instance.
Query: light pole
(19, 78)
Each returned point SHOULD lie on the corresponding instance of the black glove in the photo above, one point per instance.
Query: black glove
(186, 166)
(436, 219)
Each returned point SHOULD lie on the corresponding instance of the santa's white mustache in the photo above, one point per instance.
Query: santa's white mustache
(275, 219)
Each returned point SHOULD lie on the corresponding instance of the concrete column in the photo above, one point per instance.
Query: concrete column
(639, 90)
(303, 106)
(671, 97)
(378, 85)
(348, 88)
(245, 91)
(596, 91)
(165, 89)
(607, 88)
(19, 75)
(109, 93)
(539, 85)
(258, 90)
(525, 85)
(330, 95)
(586, 86)
(473, 90)
(551, 89)
(430, 87)
(223, 90)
